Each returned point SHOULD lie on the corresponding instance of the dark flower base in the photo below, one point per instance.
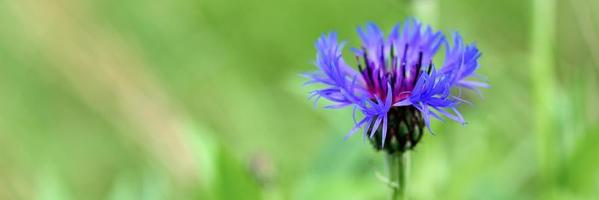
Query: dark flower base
(405, 129)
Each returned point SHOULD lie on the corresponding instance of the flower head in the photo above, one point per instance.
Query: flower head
(397, 87)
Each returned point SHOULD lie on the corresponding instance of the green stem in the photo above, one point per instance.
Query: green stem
(544, 86)
(398, 168)
(426, 11)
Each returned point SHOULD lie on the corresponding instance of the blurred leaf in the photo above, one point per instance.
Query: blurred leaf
(344, 170)
(580, 171)
(51, 185)
(234, 180)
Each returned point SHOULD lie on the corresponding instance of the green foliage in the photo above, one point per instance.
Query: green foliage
(202, 100)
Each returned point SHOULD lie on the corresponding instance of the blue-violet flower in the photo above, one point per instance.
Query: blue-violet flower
(397, 87)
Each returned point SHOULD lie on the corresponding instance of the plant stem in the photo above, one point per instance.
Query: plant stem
(398, 169)
(544, 86)
(426, 11)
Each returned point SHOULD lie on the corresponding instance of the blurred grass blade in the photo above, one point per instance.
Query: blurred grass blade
(426, 11)
(543, 86)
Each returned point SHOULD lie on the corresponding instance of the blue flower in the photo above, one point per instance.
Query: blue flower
(396, 86)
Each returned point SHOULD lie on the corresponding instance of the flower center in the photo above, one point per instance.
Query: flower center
(384, 69)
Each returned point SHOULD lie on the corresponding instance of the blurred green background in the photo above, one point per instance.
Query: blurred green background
(201, 99)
